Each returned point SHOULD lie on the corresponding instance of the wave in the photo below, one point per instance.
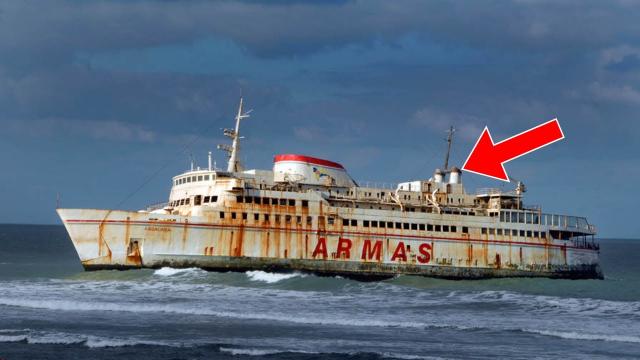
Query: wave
(571, 335)
(61, 338)
(262, 352)
(271, 278)
(66, 305)
(168, 271)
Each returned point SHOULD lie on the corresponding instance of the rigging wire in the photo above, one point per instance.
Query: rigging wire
(185, 148)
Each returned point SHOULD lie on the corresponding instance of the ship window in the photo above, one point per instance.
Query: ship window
(529, 218)
(492, 231)
(438, 228)
(244, 216)
(514, 217)
(453, 228)
(398, 225)
(283, 201)
(330, 220)
(382, 223)
(365, 223)
(200, 178)
(287, 218)
(277, 218)
(422, 227)
(197, 200)
(265, 201)
(414, 226)
(501, 215)
(445, 228)
(256, 200)
(298, 220)
(292, 202)
(389, 225)
(274, 201)
(536, 234)
(256, 216)
(266, 217)
(484, 231)
(233, 215)
(206, 199)
(193, 179)
(543, 235)
(214, 198)
(405, 226)
(181, 201)
(354, 222)
(187, 201)
(529, 233)
(206, 177)
(345, 222)
(188, 179)
(247, 199)
(521, 218)
(522, 233)
(305, 203)
(310, 220)
(514, 232)
(238, 199)
(221, 214)
(374, 223)
(429, 227)
(465, 230)
(499, 231)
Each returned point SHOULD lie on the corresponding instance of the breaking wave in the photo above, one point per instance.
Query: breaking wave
(61, 338)
(168, 271)
(271, 278)
(571, 335)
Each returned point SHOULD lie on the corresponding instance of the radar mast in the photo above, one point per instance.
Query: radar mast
(234, 150)
(449, 141)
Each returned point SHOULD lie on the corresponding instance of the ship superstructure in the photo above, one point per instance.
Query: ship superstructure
(307, 214)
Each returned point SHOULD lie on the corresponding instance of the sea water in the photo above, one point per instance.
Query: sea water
(51, 309)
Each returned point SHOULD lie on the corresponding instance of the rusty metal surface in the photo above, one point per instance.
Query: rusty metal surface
(119, 239)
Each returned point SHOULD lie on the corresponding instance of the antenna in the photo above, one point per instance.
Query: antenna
(449, 141)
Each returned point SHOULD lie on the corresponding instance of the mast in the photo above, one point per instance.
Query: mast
(449, 140)
(233, 151)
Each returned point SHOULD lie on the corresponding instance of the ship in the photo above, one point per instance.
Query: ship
(308, 215)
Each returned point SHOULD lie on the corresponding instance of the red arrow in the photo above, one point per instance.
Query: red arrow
(487, 158)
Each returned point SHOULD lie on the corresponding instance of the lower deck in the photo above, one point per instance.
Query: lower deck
(117, 239)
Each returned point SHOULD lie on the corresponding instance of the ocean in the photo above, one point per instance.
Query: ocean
(51, 309)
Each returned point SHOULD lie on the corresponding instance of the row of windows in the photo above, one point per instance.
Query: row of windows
(519, 217)
(192, 178)
(197, 200)
(379, 224)
(514, 232)
(270, 201)
(404, 226)
(265, 217)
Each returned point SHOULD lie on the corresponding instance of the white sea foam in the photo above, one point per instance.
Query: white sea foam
(261, 352)
(12, 338)
(168, 271)
(271, 278)
(572, 335)
(410, 357)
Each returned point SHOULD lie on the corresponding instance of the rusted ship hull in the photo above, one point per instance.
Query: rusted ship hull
(106, 239)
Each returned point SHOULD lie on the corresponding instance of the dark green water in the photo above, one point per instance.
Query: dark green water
(50, 308)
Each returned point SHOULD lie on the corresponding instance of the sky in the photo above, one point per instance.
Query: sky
(102, 102)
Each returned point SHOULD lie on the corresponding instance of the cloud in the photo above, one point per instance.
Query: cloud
(615, 93)
(111, 130)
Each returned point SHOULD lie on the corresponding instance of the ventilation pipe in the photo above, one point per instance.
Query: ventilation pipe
(438, 176)
(454, 177)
